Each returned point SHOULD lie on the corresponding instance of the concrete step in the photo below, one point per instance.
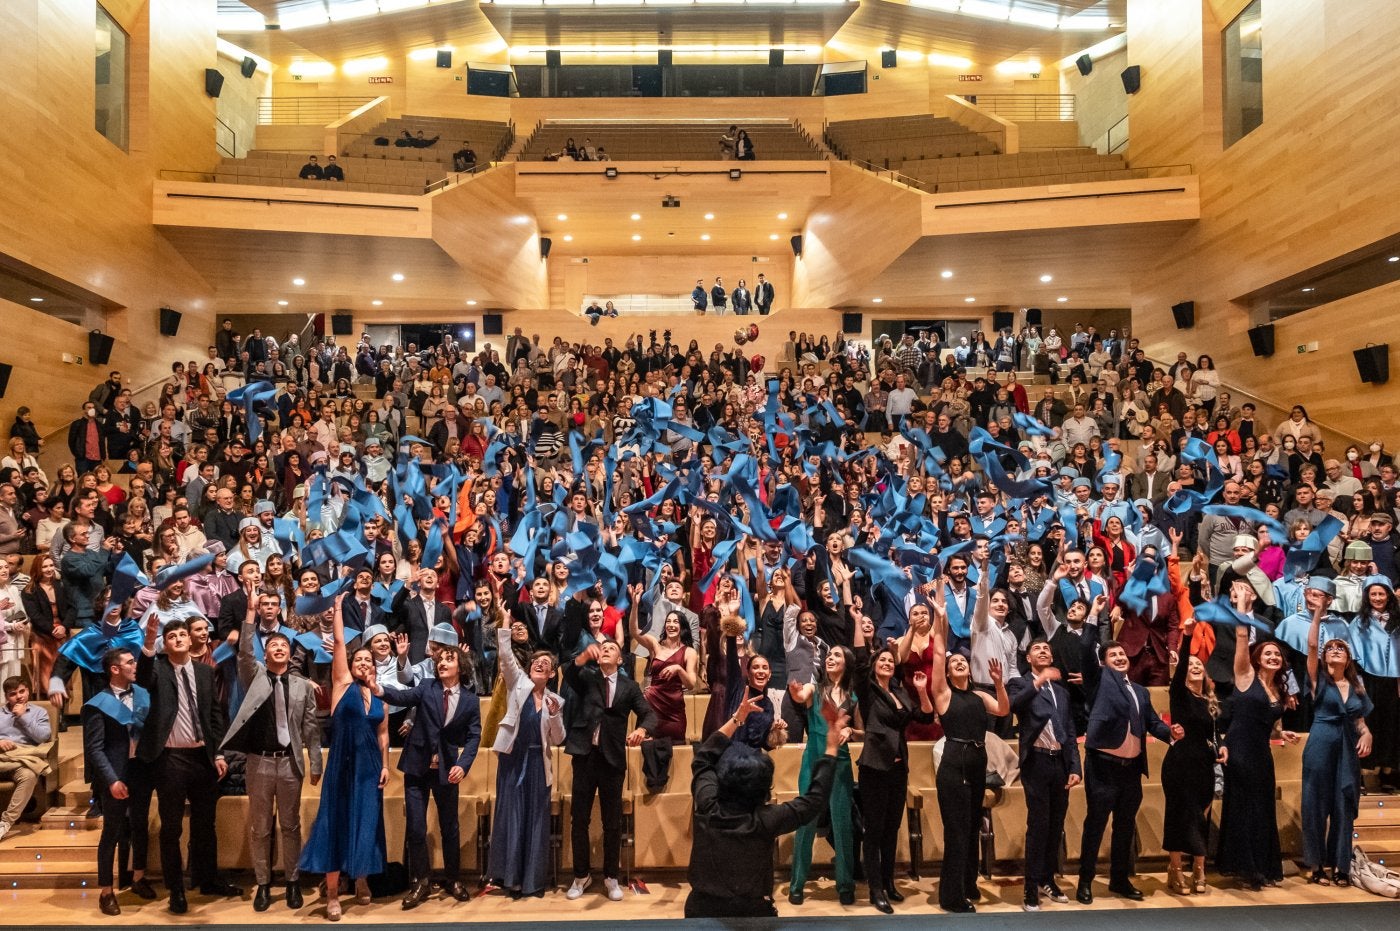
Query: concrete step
(70, 817)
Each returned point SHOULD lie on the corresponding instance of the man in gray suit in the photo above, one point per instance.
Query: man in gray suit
(276, 720)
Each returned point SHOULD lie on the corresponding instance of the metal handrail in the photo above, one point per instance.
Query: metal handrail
(1028, 108)
(231, 150)
(1122, 141)
(307, 111)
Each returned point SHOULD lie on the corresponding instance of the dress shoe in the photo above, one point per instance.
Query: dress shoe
(177, 904)
(881, 903)
(417, 893)
(1054, 894)
(458, 890)
(262, 898)
(960, 908)
(1126, 890)
(1084, 895)
(143, 889)
(294, 895)
(893, 894)
(975, 895)
(108, 903)
(847, 898)
(796, 896)
(220, 888)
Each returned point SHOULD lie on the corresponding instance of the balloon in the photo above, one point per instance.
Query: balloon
(740, 337)
(753, 331)
(756, 364)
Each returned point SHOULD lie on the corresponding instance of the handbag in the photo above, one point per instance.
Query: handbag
(1372, 876)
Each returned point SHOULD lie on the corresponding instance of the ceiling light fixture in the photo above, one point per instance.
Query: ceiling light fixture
(471, 303)
(377, 303)
(562, 217)
(636, 237)
(877, 300)
(1309, 290)
(782, 216)
(397, 276)
(705, 237)
(636, 216)
(568, 237)
(709, 216)
(1046, 279)
(1394, 258)
(946, 273)
(36, 300)
(970, 299)
(298, 281)
(772, 235)
(1061, 300)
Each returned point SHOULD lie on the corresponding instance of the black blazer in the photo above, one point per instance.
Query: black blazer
(106, 748)
(453, 744)
(354, 616)
(40, 611)
(157, 676)
(590, 686)
(410, 616)
(886, 747)
(233, 608)
(549, 637)
(1111, 708)
(1034, 712)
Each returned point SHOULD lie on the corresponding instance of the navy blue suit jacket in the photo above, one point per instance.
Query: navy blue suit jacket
(454, 742)
(1034, 712)
(1111, 709)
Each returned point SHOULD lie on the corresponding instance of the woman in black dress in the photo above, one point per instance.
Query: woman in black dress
(962, 773)
(1249, 845)
(1188, 772)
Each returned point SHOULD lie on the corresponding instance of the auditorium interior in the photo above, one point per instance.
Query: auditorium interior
(1210, 175)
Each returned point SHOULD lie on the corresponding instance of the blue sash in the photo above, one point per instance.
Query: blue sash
(133, 717)
(1374, 647)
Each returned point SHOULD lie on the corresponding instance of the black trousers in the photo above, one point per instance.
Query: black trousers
(962, 782)
(795, 717)
(882, 797)
(181, 776)
(1111, 788)
(125, 825)
(416, 790)
(593, 776)
(1043, 779)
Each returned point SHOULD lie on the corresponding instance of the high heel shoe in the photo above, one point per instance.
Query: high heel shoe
(333, 909)
(362, 896)
(1176, 883)
(1198, 881)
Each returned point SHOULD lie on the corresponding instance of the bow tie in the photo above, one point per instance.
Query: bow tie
(124, 693)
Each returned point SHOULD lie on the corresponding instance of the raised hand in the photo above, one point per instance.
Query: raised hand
(920, 681)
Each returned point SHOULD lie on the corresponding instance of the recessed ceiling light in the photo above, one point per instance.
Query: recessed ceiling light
(397, 276)
(471, 303)
(562, 216)
(1062, 300)
(705, 236)
(772, 235)
(1309, 290)
(877, 300)
(377, 303)
(298, 281)
(709, 216)
(969, 299)
(36, 300)
(636, 237)
(782, 216)
(568, 237)
(946, 273)
(1046, 279)
(636, 216)
(281, 303)
(1394, 258)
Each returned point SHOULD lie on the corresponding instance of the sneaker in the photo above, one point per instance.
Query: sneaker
(4, 829)
(580, 883)
(1031, 903)
(1054, 894)
(614, 890)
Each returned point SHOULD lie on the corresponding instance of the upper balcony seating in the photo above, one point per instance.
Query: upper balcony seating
(699, 141)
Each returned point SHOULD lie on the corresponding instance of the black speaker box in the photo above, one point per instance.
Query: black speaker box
(1184, 314)
(248, 67)
(213, 82)
(169, 322)
(796, 242)
(1085, 64)
(99, 347)
(1373, 363)
(852, 323)
(664, 58)
(342, 324)
(1002, 320)
(1261, 339)
(1032, 316)
(1132, 79)
(775, 58)
(444, 58)
(552, 58)
(4, 378)
(492, 325)
(545, 244)
(889, 58)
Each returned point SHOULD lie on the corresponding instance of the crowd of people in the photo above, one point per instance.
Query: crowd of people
(742, 301)
(868, 548)
(574, 152)
(314, 170)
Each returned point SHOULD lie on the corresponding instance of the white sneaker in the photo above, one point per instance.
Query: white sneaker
(4, 829)
(580, 884)
(614, 890)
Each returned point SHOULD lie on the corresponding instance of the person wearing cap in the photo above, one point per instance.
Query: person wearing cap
(1356, 566)
(253, 545)
(346, 465)
(1385, 545)
(376, 465)
(1319, 594)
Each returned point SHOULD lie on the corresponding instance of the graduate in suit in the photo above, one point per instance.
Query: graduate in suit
(362, 609)
(418, 611)
(541, 615)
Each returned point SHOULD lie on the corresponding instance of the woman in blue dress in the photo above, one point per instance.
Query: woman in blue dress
(348, 835)
(1332, 758)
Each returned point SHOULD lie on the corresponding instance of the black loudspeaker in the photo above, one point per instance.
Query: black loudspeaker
(889, 58)
(852, 323)
(796, 242)
(169, 322)
(545, 244)
(1132, 79)
(1184, 314)
(248, 67)
(775, 58)
(491, 325)
(1032, 316)
(4, 378)
(1261, 339)
(213, 81)
(342, 324)
(1002, 320)
(552, 58)
(99, 347)
(663, 58)
(1085, 64)
(1372, 363)
(444, 58)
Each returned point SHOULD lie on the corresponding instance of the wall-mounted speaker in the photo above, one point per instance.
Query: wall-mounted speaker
(1184, 314)
(1032, 316)
(213, 81)
(1132, 79)
(99, 347)
(444, 58)
(342, 324)
(492, 325)
(552, 58)
(775, 58)
(248, 67)
(169, 322)
(852, 323)
(1373, 363)
(1085, 64)
(1261, 339)
(1002, 320)
(796, 242)
(664, 58)
(4, 378)
(545, 244)
(889, 58)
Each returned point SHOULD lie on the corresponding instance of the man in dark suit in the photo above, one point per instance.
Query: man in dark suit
(1151, 483)
(763, 295)
(541, 615)
(1150, 638)
(598, 742)
(1050, 767)
(1115, 743)
(179, 743)
(418, 611)
(439, 751)
(360, 608)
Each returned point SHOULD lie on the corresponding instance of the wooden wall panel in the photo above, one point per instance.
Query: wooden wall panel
(484, 227)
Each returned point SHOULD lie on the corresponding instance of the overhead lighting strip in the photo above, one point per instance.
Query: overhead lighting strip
(1021, 14)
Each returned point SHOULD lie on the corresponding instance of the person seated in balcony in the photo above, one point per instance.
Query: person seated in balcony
(587, 152)
(464, 159)
(332, 171)
(593, 312)
(311, 171)
(405, 140)
(419, 142)
(570, 149)
(743, 147)
(602, 155)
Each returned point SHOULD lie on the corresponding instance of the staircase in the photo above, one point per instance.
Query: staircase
(60, 850)
(1377, 829)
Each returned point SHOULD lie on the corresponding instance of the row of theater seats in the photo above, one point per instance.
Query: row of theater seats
(372, 175)
(483, 135)
(888, 141)
(629, 141)
(1025, 169)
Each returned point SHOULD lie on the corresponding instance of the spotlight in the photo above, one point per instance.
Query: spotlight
(610, 172)
(735, 174)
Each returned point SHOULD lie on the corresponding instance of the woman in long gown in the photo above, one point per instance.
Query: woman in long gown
(1332, 757)
(671, 670)
(348, 834)
(1249, 844)
(916, 657)
(1188, 771)
(533, 723)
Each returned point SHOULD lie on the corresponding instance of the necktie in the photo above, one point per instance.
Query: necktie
(1049, 689)
(446, 704)
(279, 710)
(1084, 591)
(187, 679)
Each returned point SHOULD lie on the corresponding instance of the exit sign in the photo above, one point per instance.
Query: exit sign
(383, 80)
(970, 77)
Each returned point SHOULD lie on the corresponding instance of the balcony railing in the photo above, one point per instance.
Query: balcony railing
(306, 111)
(1026, 108)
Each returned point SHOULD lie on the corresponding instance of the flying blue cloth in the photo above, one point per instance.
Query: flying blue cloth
(181, 571)
(251, 395)
(126, 579)
(322, 601)
(1220, 611)
(1303, 556)
(87, 647)
(385, 594)
(312, 643)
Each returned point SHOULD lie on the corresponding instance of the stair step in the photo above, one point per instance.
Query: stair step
(72, 817)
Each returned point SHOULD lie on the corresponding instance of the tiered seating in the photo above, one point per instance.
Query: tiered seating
(372, 175)
(484, 136)
(1049, 166)
(890, 142)
(699, 141)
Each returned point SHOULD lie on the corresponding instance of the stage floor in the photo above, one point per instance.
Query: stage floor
(1294, 904)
